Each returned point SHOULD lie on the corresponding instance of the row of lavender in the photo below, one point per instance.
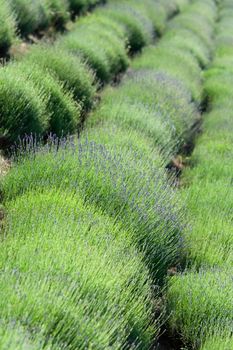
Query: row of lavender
(51, 88)
(93, 224)
(201, 299)
(25, 17)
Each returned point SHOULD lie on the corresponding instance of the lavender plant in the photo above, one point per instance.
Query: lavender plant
(160, 112)
(201, 304)
(82, 281)
(63, 111)
(124, 184)
(7, 27)
(111, 56)
(69, 69)
(201, 299)
(22, 107)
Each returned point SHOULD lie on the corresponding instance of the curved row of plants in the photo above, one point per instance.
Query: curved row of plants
(24, 17)
(51, 88)
(93, 224)
(201, 299)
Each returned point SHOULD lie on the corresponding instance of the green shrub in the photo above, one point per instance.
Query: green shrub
(201, 304)
(34, 16)
(81, 6)
(100, 45)
(125, 186)
(174, 106)
(83, 281)
(15, 336)
(138, 28)
(175, 62)
(178, 56)
(198, 18)
(31, 15)
(22, 106)
(138, 117)
(156, 13)
(181, 4)
(87, 49)
(159, 111)
(58, 12)
(63, 111)
(7, 27)
(200, 300)
(69, 69)
(208, 183)
(188, 41)
(114, 135)
(218, 86)
(149, 11)
(99, 17)
(219, 342)
(172, 7)
(209, 242)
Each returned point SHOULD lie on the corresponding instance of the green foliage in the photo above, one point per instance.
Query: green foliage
(118, 137)
(77, 6)
(76, 269)
(160, 111)
(223, 342)
(7, 27)
(128, 195)
(209, 180)
(22, 106)
(31, 15)
(14, 336)
(157, 14)
(177, 63)
(63, 111)
(181, 4)
(186, 40)
(201, 300)
(97, 40)
(56, 80)
(101, 40)
(171, 7)
(93, 223)
(74, 74)
(192, 31)
(104, 38)
(201, 304)
(208, 187)
(139, 117)
(58, 12)
(199, 18)
(138, 27)
(182, 50)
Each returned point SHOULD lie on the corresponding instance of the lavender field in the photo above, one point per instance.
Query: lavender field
(116, 175)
